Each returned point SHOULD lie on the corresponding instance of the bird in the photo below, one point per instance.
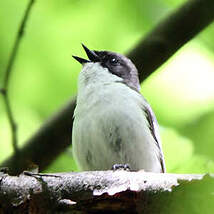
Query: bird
(113, 123)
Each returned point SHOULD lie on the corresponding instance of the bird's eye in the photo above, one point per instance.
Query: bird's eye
(113, 61)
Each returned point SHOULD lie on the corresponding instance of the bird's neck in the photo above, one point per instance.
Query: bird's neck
(93, 75)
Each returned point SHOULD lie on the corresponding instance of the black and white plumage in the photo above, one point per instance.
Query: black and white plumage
(113, 123)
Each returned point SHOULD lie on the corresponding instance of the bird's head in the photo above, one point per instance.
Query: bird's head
(110, 66)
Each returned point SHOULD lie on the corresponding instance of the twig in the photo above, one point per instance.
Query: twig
(4, 90)
(40, 174)
(11, 120)
(15, 49)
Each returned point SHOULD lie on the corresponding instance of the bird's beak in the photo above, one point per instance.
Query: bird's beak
(93, 57)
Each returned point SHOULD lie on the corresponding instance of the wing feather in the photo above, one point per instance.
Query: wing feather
(153, 126)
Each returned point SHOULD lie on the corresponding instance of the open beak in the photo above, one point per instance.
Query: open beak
(93, 57)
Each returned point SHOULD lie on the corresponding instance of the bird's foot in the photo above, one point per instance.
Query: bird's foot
(121, 167)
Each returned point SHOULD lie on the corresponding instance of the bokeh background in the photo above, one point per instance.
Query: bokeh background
(44, 77)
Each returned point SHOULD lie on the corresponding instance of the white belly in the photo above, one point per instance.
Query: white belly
(112, 129)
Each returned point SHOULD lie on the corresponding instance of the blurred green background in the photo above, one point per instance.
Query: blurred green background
(44, 77)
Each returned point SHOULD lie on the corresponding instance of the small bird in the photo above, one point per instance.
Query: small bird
(113, 123)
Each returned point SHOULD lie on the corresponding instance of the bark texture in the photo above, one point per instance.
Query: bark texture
(106, 192)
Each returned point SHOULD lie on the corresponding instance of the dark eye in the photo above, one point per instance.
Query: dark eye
(113, 61)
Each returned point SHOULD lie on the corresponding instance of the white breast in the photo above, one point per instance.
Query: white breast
(110, 125)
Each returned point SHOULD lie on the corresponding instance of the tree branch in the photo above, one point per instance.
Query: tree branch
(43, 148)
(4, 90)
(171, 34)
(150, 53)
(109, 191)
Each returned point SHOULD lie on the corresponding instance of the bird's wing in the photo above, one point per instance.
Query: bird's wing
(153, 126)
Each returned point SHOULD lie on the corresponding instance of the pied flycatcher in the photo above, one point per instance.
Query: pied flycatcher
(113, 123)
